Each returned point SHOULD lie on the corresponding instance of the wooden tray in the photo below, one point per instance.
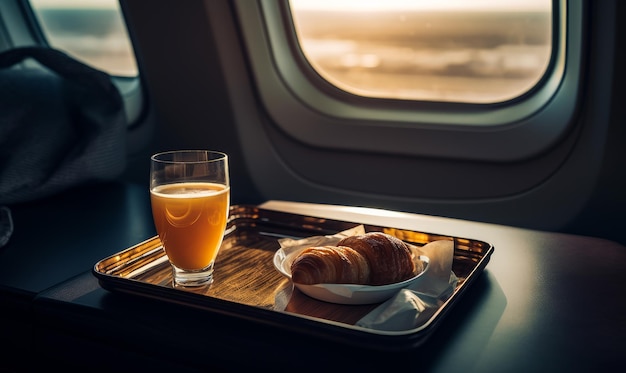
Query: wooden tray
(247, 285)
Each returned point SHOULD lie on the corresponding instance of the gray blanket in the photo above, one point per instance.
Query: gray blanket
(62, 123)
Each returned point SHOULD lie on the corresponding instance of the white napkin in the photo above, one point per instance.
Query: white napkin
(289, 244)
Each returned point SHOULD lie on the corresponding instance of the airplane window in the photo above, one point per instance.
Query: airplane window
(482, 115)
(92, 31)
(480, 51)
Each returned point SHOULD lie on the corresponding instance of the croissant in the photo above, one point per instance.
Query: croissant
(330, 264)
(374, 258)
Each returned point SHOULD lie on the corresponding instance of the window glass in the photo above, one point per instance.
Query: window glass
(479, 51)
(92, 31)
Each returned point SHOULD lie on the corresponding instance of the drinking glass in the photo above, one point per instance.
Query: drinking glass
(190, 197)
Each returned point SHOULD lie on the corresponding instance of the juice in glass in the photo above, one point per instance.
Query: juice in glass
(190, 218)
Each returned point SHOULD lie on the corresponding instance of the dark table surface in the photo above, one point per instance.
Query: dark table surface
(545, 302)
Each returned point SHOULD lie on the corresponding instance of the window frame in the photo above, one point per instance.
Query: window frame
(511, 131)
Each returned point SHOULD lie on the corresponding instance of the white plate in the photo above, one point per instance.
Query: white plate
(344, 293)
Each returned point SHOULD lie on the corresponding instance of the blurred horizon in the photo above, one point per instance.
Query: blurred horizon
(471, 57)
(421, 5)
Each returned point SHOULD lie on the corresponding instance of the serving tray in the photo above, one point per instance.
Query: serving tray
(246, 284)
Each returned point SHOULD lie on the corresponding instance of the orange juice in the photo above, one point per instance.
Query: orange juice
(190, 219)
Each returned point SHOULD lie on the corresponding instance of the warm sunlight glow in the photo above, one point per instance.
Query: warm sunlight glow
(382, 5)
(470, 51)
